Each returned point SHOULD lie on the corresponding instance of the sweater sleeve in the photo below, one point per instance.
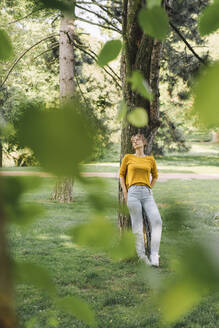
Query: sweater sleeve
(154, 170)
(123, 167)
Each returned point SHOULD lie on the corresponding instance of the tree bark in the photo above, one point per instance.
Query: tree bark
(142, 53)
(1, 153)
(64, 188)
(7, 305)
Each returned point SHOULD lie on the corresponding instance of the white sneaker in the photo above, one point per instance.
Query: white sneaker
(154, 258)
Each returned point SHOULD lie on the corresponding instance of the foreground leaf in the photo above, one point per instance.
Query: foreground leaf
(206, 96)
(30, 273)
(154, 22)
(110, 51)
(98, 233)
(122, 110)
(153, 3)
(59, 4)
(209, 21)
(78, 308)
(6, 50)
(60, 138)
(11, 192)
(138, 117)
(125, 248)
(139, 84)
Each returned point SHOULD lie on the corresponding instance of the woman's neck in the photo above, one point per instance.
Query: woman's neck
(139, 152)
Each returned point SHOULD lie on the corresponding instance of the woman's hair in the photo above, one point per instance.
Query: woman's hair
(139, 136)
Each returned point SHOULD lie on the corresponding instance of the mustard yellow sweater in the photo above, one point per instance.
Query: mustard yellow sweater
(137, 170)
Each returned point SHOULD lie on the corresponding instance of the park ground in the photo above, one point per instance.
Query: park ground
(118, 292)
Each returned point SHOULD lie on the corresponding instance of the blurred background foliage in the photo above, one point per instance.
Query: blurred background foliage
(39, 77)
(46, 129)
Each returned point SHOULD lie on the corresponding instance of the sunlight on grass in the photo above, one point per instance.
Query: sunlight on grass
(68, 244)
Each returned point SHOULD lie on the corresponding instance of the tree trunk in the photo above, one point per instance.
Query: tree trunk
(142, 53)
(7, 305)
(215, 136)
(1, 151)
(64, 188)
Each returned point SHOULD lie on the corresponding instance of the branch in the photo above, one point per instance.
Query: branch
(22, 55)
(19, 19)
(89, 54)
(55, 19)
(76, 77)
(186, 42)
(110, 68)
(96, 56)
(99, 16)
(100, 25)
(107, 11)
(93, 2)
(56, 44)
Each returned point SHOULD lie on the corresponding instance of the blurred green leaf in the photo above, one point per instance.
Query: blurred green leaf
(122, 110)
(98, 233)
(196, 276)
(6, 49)
(64, 5)
(206, 96)
(125, 248)
(139, 84)
(30, 273)
(177, 300)
(208, 21)
(60, 138)
(78, 308)
(11, 192)
(6, 128)
(109, 52)
(153, 3)
(138, 117)
(154, 22)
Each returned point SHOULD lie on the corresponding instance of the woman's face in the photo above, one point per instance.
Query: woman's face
(137, 142)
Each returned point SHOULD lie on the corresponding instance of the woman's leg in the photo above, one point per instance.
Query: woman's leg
(154, 218)
(135, 210)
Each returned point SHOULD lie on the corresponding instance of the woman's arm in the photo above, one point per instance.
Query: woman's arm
(122, 173)
(153, 181)
(154, 173)
(124, 189)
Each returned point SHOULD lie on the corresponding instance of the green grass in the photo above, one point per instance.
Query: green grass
(117, 292)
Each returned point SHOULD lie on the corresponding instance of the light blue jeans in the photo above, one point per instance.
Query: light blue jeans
(138, 197)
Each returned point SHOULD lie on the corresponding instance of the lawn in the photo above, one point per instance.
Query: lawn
(118, 292)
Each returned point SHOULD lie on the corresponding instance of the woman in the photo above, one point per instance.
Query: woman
(135, 173)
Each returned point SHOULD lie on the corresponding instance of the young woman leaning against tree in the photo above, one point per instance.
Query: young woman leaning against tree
(135, 174)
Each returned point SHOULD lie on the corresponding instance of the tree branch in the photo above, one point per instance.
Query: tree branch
(107, 11)
(78, 84)
(100, 25)
(186, 42)
(19, 19)
(22, 55)
(93, 2)
(99, 16)
(89, 54)
(47, 50)
(110, 68)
